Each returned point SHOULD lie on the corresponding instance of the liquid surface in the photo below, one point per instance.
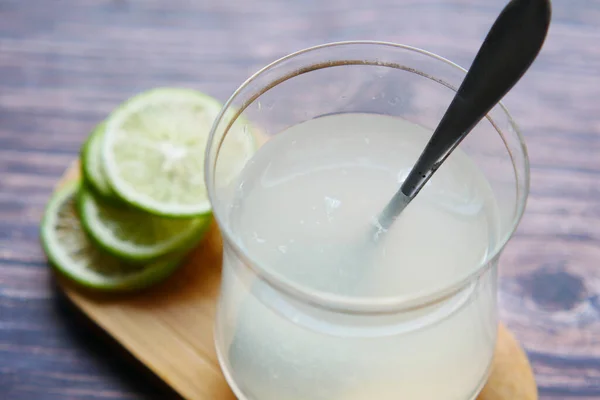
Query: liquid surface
(307, 202)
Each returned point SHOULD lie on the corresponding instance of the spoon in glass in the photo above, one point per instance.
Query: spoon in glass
(508, 51)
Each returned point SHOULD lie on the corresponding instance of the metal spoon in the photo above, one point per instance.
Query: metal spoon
(510, 47)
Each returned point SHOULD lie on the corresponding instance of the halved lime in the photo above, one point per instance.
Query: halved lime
(135, 235)
(154, 150)
(73, 254)
(91, 164)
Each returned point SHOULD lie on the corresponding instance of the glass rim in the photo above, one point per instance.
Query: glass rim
(367, 305)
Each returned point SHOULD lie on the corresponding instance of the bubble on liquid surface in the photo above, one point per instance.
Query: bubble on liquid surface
(331, 204)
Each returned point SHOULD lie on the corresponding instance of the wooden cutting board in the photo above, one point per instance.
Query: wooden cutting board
(169, 328)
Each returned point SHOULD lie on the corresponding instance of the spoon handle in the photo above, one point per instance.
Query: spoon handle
(510, 47)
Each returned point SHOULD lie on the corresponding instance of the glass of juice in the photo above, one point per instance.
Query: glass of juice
(313, 308)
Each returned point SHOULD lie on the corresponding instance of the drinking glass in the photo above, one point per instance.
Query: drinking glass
(278, 339)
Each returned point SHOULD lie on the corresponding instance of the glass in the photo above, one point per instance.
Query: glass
(279, 339)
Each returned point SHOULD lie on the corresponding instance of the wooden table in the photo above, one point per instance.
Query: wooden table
(64, 64)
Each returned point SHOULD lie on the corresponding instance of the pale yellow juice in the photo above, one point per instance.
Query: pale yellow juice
(302, 208)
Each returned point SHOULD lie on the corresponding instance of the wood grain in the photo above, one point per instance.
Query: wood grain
(64, 64)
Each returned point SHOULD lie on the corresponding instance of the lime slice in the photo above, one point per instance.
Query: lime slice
(73, 254)
(153, 151)
(135, 235)
(92, 167)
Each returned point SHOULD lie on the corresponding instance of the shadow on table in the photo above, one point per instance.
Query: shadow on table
(134, 375)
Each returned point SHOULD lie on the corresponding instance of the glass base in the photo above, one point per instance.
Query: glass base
(240, 396)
